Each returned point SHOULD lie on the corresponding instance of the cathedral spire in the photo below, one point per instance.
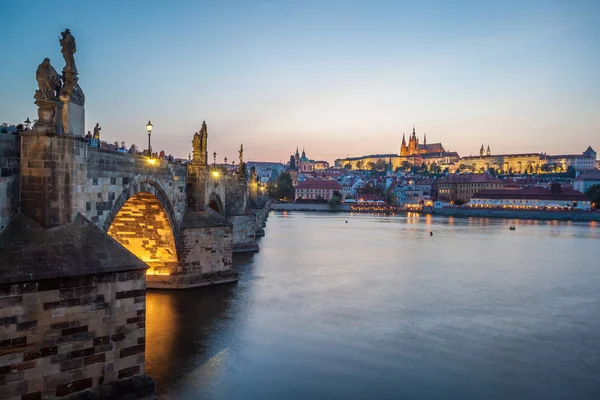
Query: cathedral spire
(424, 139)
(403, 139)
(414, 133)
(297, 154)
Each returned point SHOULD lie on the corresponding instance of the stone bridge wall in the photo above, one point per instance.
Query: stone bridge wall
(112, 178)
(10, 176)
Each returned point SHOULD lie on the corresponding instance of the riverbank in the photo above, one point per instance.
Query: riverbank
(585, 216)
(306, 207)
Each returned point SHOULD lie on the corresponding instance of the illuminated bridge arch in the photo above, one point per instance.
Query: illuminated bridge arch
(143, 222)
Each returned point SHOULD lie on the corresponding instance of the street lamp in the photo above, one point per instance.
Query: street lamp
(215, 158)
(27, 123)
(225, 160)
(149, 129)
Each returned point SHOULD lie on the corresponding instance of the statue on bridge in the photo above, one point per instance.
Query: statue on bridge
(97, 130)
(68, 49)
(199, 145)
(48, 80)
(204, 146)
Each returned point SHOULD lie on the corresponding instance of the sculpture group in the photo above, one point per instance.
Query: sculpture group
(59, 97)
(199, 145)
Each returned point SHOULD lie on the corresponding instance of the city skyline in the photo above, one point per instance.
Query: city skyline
(335, 80)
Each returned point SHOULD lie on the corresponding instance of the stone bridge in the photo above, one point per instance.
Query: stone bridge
(84, 231)
(183, 221)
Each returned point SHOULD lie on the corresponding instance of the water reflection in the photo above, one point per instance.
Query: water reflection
(179, 325)
(377, 308)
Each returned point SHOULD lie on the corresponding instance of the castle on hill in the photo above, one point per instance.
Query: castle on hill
(413, 153)
(414, 147)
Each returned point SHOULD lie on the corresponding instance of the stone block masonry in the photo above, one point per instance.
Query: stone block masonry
(63, 336)
(72, 312)
(10, 175)
(244, 233)
(207, 240)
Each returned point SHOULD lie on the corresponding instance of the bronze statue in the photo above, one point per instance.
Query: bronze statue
(68, 49)
(49, 82)
(97, 130)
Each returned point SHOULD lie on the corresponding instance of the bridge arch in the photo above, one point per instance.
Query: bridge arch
(215, 202)
(143, 221)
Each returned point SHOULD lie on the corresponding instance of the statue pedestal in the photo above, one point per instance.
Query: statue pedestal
(46, 122)
(71, 119)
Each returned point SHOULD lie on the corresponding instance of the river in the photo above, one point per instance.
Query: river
(341, 306)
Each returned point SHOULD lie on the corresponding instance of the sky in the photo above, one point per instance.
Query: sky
(339, 78)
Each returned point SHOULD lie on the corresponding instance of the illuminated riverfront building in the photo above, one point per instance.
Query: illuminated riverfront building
(533, 197)
(527, 162)
(411, 153)
(460, 187)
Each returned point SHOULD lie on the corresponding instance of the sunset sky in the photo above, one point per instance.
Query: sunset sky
(336, 77)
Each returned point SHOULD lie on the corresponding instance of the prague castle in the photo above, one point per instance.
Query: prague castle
(413, 153)
(419, 154)
(414, 148)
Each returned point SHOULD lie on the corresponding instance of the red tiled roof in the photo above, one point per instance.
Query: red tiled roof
(318, 184)
(532, 192)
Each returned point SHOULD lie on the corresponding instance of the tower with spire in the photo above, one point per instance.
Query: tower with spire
(413, 143)
(403, 147)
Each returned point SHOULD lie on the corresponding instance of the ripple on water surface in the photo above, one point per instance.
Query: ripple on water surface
(377, 308)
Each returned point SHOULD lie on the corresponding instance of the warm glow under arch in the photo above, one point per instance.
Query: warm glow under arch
(143, 227)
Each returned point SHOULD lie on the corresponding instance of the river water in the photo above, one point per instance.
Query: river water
(376, 308)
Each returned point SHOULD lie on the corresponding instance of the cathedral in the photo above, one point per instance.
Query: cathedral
(413, 153)
(414, 147)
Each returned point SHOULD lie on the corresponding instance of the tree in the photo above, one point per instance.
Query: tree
(593, 192)
(371, 165)
(348, 166)
(335, 201)
(571, 173)
(492, 171)
(287, 178)
(283, 188)
(359, 164)
(406, 166)
(546, 168)
(390, 197)
(434, 168)
(380, 165)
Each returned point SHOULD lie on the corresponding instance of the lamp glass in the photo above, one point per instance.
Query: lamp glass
(149, 127)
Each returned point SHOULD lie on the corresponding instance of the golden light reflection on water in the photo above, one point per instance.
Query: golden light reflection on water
(160, 321)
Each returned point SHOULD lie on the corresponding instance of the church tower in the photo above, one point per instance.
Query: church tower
(482, 151)
(403, 147)
(413, 143)
(488, 152)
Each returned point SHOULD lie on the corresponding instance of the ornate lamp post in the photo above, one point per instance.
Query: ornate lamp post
(27, 123)
(225, 160)
(149, 129)
(214, 158)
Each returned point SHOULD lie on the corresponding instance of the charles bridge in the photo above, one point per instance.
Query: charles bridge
(84, 232)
